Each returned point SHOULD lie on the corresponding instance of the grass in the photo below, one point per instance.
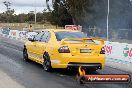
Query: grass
(20, 26)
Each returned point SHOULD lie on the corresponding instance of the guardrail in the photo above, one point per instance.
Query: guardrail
(15, 34)
(119, 52)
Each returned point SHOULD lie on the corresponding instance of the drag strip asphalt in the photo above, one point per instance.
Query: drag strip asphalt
(32, 75)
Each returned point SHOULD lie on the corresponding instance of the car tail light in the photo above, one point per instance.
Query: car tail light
(64, 49)
(102, 50)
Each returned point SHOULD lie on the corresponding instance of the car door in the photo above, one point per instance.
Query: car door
(33, 46)
(41, 46)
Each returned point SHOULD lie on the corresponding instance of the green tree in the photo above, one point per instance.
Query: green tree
(9, 12)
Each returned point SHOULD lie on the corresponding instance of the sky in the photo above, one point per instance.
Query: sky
(24, 6)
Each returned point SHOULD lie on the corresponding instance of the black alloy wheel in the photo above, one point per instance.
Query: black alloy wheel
(47, 63)
(25, 55)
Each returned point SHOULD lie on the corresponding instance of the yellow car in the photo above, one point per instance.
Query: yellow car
(65, 49)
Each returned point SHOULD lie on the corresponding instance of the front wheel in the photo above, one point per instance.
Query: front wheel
(47, 63)
(25, 55)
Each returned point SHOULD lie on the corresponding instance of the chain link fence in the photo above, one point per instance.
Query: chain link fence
(115, 35)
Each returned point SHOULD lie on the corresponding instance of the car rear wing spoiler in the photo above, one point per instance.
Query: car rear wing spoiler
(96, 40)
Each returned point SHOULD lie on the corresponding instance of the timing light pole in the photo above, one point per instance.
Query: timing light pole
(108, 20)
(35, 14)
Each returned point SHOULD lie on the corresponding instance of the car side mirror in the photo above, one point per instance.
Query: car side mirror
(31, 39)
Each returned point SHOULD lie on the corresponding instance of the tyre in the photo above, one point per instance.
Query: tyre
(25, 55)
(80, 80)
(47, 63)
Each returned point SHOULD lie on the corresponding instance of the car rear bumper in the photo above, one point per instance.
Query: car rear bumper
(66, 61)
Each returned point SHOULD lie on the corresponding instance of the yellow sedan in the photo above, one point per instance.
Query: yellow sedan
(65, 49)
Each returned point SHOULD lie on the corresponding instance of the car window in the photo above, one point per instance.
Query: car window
(38, 36)
(62, 35)
(46, 36)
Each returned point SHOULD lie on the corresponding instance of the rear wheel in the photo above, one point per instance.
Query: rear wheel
(25, 55)
(81, 80)
(47, 63)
